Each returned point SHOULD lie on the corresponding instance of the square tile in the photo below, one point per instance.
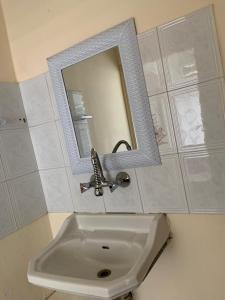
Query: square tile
(204, 177)
(27, 198)
(36, 100)
(56, 189)
(161, 187)
(163, 123)
(86, 202)
(12, 114)
(2, 174)
(52, 96)
(152, 63)
(190, 49)
(125, 199)
(63, 142)
(17, 152)
(47, 146)
(198, 115)
(7, 221)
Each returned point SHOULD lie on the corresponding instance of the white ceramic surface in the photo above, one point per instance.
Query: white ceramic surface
(56, 189)
(151, 61)
(161, 187)
(123, 199)
(163, 124)
(124, 244)
(17, 152)
(190, 49)
(36, 100)
(11, 107)
(198, 115)
(47, 146)
(27, 198)
(7, 221)
(86, 202)
(204, 177)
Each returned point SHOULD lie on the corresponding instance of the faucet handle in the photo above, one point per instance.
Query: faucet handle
(84, 187)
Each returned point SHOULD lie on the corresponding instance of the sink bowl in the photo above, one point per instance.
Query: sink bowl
(102, 255)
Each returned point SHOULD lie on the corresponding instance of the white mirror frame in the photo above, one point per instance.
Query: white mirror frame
(124, 37)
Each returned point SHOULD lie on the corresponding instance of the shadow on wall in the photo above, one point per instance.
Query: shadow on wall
(15, 252)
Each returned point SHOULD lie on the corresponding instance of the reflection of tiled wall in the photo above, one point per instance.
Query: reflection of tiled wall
(185, 83)
(21, 196)
(186, 91)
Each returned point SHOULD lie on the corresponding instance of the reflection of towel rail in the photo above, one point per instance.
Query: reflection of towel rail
(81, 118)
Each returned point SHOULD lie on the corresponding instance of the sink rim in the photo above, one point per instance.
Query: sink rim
(131, 279)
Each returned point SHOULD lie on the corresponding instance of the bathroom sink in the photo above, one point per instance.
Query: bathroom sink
(101, 255)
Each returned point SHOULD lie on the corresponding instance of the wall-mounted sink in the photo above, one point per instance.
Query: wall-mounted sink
(100, 255)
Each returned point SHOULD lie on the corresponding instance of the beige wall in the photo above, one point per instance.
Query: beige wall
(7, 73)
(193, 266)
(15, 252)
(38, 29)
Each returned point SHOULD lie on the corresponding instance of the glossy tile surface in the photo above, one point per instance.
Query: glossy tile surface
(123, 199)
(204, 177)
(36, 100)
(56, 190)
(152, 63)
(7, 222)
(161, 187)
(190, 49)
(86, 202)
(11, 107)
(27, 198)
(47, 146)
(17, 152)
(163, 123)
(198, 115)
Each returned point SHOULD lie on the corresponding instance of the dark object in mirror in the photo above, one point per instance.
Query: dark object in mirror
(120, 143)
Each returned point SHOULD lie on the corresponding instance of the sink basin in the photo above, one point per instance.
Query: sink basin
(102, 255)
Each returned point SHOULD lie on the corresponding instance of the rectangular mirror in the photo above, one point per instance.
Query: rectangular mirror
(102, 98)
(99, 107)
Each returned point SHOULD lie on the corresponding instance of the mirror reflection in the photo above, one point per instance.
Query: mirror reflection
(98, 102)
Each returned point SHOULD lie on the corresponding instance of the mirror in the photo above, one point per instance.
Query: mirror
(98, 102)
(102, 98)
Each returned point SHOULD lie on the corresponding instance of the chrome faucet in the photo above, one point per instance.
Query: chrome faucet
(98, 181)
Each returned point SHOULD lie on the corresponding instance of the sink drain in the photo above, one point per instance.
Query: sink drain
(103, 273)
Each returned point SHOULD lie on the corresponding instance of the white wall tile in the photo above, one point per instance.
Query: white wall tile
(27, 198)
(56, 189)
(190, 49)
(204, 177)
(161, 187)
(52, 97)
(2, 174)
(63, 142)
(11, 107)
(198, 114)
(36, 100)
(163, 123)
(123, 199)
(47, 146)
(7, 221)
(86, 202)
(152, 63)
(17, 152)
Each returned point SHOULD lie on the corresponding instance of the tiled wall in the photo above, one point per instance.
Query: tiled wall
(21, 196)
(186, 91)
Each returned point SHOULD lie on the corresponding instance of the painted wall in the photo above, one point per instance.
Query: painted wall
(192, 267)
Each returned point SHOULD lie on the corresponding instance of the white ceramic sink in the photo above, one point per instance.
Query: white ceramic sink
(103, 255)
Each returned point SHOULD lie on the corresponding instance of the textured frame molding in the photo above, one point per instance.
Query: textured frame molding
(124, 37)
